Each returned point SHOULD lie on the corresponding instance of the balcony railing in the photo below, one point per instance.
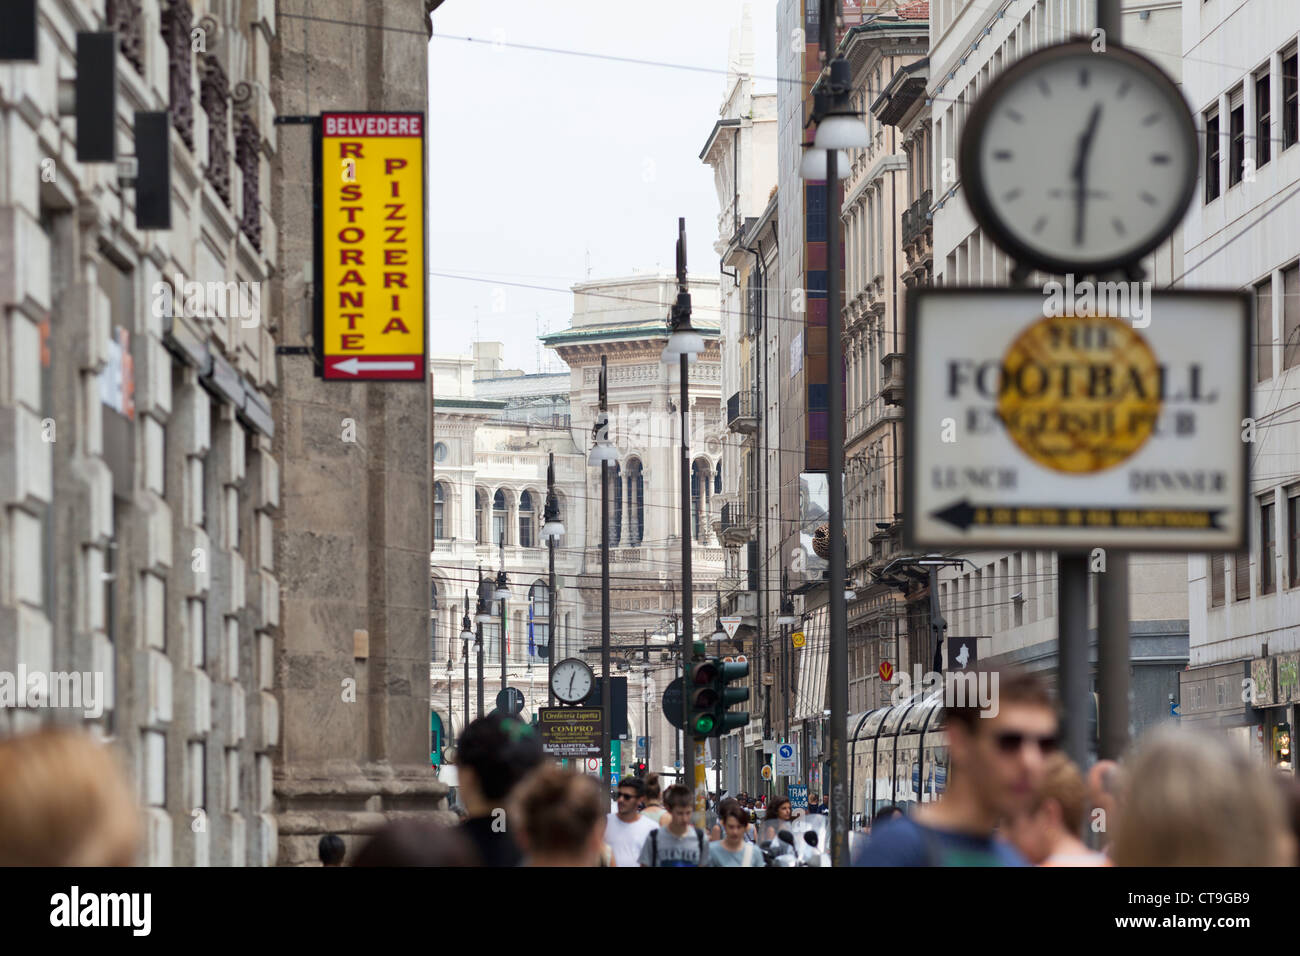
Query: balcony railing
(737, 525)
(742, 411)
(914, 217)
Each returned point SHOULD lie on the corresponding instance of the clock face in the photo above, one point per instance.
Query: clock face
(1080, 160)
(572, 680)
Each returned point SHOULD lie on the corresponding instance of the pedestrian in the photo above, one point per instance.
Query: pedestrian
(1046, 832)
(888, 812)
(680, 843)
(493, 755)
(815, 805)
(627, 829)
(711, 825)
(65, 800)
(413, 842)
(1192, 799)
(997, 756)
(654, 804)
(562, 818)
(331, 850)
(733, 849)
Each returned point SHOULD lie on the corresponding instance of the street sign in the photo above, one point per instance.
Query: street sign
(510, 701)
(769, 746)
(798, 794)
(673, 704)
(786, 762)
(797, 639)
(730, 624)
(1060, 420)
(640, 746)
(766, 772)
(886, 671)
(962, 655)
(570, 731)
(370, 265)
(593, 764)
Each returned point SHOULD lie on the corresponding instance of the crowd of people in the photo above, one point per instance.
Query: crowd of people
(1178, 798)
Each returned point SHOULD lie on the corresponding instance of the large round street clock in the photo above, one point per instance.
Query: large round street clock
(1079, 161)
(572, 680)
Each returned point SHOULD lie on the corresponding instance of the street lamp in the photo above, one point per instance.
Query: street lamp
(482, 618)
(466, 635)
(839, 127)
(603, 453)
(718, 633)
(813, 164)
(502, 592)
(552, 531)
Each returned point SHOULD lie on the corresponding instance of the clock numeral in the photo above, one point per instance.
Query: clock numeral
(1038, 226)
(1151, 120)
(1013, 115)
(1083, 77)
(1160, 159)
(1012, 196)
(1003, 155)
(1123, 89)
(1149, 199)
(1043, 87)
(1119, 226)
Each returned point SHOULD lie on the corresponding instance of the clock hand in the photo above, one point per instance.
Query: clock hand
(1080, 173)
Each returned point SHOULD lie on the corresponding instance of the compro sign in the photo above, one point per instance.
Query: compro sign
(1029, 425)
(370, 305)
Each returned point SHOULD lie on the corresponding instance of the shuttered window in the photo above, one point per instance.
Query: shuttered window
(1241, 575)
(1218, 580)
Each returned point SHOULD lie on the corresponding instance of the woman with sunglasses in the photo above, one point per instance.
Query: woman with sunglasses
(997, 753)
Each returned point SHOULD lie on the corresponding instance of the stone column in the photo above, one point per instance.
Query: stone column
(353, 532)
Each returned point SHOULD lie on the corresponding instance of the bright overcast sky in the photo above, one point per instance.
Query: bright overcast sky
(538, 160)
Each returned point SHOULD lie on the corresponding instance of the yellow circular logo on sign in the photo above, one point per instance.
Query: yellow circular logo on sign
(767, 772)
(1080, 394)
(798, 638)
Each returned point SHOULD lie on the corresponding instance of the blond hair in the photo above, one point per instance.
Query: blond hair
(64, 801)
(1190, 799)
(1063, 783)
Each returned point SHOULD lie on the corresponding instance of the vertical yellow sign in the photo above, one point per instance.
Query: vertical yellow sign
(372, 270)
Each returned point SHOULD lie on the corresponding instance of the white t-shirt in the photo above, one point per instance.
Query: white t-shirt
(626, 839)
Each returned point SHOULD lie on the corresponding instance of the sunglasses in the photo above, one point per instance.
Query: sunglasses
(1012, 742)
(626, 796)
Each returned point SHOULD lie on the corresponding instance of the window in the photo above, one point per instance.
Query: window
(1290, 99)
(1212, 156)
(1264, 330)
(1267, 548)
(1218, 585)
(1236, 139)
(1293, 538)
(636, 503)
(499, 516)
(433, 621)
(525, 520)
(439, 452)
(539, 618)
(1263, 118)
(1291, 315)
(615, 504)
(1241, 576)
(478, 516)
(439, 506)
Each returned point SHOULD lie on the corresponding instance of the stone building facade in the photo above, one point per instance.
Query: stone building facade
(138, 477)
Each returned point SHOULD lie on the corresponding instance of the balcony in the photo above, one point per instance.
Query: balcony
(914, 218)
(737, 524)
(742, 412)
(892, 390)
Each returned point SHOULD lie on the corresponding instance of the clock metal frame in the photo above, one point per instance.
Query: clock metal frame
(971, 166)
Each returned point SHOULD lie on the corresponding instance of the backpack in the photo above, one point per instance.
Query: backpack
(654, 846)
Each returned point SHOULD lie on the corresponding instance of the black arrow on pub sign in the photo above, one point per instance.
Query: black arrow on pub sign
(963, 514)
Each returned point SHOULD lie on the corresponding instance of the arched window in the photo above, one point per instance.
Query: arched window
(525, 520)
(539, 620)
(636, 503)
(699, 498)
(433, 620)
(439, 515)
(478, 515)
(499, 517)
(717, 479)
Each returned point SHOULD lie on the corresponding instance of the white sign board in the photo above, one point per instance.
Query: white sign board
(787, 762)
(1037, 420)
(730, 624)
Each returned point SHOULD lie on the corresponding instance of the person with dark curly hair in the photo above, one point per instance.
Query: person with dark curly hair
(493, 755)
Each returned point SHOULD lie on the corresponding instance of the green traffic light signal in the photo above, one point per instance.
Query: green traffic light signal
(703, 696)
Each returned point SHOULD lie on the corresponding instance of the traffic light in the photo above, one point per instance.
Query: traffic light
(711, 697)
(639, 769)
(731, 720)
(703, 695)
